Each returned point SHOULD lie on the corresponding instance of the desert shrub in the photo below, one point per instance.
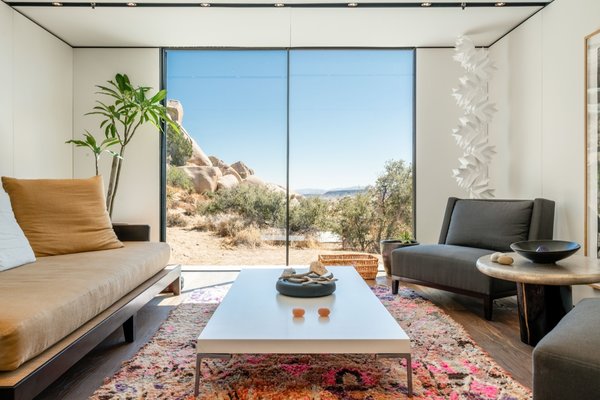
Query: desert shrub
(175, 220)
(248, 237)
(354, 220)
(170, 197)
(256, 205)
(310, 242)
(310, 215)
(189, 210)
(382, 211)
(177, 177)
(179, 147)
(224, 225)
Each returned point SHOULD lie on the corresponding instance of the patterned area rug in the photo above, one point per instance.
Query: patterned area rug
(447, 364)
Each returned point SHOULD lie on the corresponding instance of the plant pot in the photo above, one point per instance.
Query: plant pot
(389, 245)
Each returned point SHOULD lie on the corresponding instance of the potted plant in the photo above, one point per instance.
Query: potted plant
(389, 245)
(129, 108)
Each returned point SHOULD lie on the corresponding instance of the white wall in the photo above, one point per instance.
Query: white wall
(540, 90)
(138, 196)
(36, 102)
(437, 152)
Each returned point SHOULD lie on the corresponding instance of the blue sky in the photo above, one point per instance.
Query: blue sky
(350, 110)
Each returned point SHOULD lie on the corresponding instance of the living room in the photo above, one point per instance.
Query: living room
(54, 55)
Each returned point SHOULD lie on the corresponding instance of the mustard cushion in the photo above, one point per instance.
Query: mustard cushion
(62, 216)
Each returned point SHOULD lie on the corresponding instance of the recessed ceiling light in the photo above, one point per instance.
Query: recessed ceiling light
(131, 4)
(352, 4)
(279, 5)
(57, 4)
(426, 4)
(500, 4)
(204, 4)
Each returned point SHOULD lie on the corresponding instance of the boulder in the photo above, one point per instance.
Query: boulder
(242, 169)
(231, 171)
(175, 110)
(204, 178)
(198, 157)
(227, 182)
(217, 162)
(254, 180)
(276, 188)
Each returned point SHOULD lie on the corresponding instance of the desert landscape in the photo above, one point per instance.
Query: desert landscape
(192, 247)
(221, 213)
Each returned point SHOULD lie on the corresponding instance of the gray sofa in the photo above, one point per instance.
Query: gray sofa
(471, 229)
(566, 362)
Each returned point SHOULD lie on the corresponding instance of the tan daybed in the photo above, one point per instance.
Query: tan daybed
(54, 311)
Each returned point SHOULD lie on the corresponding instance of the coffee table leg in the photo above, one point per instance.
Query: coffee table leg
(409, 375)
(197, 379)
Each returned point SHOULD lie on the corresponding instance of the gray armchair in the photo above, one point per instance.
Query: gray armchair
(471, 229)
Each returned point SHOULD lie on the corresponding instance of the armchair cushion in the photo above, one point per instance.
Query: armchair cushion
(490, 225)
(446, 265)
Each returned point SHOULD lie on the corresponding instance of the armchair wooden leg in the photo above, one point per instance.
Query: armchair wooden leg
(395, 285)
(488, 307)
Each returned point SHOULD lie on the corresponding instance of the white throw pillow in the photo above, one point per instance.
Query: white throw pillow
(14, 247)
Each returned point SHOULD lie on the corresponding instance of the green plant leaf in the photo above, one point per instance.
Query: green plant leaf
(158, 96)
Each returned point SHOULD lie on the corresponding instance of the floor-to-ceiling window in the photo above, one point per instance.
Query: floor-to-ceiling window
(284, 155)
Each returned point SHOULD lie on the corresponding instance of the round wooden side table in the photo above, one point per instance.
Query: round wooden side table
(543, 290)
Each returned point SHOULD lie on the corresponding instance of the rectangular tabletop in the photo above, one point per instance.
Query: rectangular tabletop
(255, 318)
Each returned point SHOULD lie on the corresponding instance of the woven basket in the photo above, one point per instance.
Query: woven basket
(365, 264)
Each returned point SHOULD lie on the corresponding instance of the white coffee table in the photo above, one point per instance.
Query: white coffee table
(254, 319)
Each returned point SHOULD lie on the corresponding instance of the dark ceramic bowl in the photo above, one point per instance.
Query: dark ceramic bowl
(545, 251)
(311, 290)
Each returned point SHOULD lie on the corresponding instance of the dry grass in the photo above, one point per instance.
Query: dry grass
(191, 246)
(309, 242)
(175, 219)
(247, 237)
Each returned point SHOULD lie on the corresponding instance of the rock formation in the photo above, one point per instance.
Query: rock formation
(242, 169)
(227, 182)
(205, 179)
(198, 156)
(209, 173)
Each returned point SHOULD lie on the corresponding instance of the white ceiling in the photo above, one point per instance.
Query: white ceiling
(274, 27)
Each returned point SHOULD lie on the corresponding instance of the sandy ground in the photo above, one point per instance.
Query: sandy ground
(189, 246)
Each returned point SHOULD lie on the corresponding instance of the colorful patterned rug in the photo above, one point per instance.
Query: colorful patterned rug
(447, 364)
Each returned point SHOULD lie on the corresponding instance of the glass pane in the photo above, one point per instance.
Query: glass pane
(351, 145)
(226, 198)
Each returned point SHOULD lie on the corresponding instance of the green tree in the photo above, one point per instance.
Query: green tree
(179, 147)
(354, 220)
(382, 211)
(392, 197)
(310, 215)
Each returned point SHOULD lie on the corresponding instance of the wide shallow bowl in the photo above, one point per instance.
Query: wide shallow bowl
(545, 251)
(311, 290)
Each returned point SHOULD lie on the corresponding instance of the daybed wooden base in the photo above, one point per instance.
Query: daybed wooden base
(35, 375)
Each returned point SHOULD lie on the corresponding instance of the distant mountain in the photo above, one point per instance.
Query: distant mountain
(337, 193)
(331, 193)
(310, 192)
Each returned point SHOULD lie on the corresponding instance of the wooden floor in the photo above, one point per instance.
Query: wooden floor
(499, 338)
